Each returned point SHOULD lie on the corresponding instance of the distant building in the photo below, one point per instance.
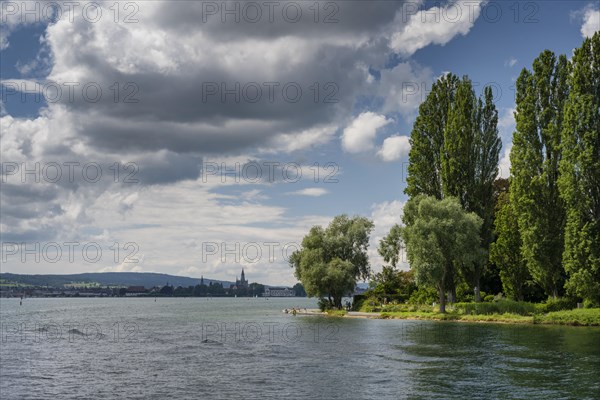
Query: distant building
(279, 292)
(241, 283)
(135, 291)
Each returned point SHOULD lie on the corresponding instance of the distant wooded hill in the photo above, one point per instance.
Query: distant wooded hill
(147, 279)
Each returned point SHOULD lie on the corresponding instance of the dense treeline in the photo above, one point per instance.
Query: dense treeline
(534, 236)
(540, 230)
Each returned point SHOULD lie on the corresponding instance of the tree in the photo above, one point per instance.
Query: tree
(579, 181)
(299, 290)
(332, 259)
(166, 290)
(488, 146)
(255, 289)
(505, 252)
(390, 246)
(439, 235)
(391, 283)
(455, 149)
(427, 139)
(534, 159)
(470, 163)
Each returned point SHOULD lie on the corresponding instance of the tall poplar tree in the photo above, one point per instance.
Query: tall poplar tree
(579, 182)
(535, 156)
(427, 139)
(455, 151)
(470, 164)
(505, 252)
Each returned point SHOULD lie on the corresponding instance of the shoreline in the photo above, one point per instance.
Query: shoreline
(513, 319)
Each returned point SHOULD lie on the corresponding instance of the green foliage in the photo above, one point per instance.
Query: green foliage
(534, 159)
(581, 317)
(558, 304)
(358, 301)
(336, 313)
(392, 285)
(390, 245)
(454, 152)
(324, 304)
(299, 290)
(427, 139)
(505, 252)
(489, 298)
(332, 259)
(439, 235)
(579, 181)
(497, 307)
(424, 295)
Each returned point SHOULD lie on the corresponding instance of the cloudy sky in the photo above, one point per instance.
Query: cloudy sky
(196, 138)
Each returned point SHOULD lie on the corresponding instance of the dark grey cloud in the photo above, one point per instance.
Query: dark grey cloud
(298, 18)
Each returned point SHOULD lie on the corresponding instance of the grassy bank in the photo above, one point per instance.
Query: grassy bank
(502, 311)
(579, 317)
(454, 316)
(336, 313)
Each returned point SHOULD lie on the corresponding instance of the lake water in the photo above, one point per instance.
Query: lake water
(247, 348)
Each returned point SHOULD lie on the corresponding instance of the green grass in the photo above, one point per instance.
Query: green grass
(497, 307)
(398, 308)
(454, 316)
(557, 312)
(336, 313)
(579, 317)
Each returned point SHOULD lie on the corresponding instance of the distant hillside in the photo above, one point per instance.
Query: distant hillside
(146, 279)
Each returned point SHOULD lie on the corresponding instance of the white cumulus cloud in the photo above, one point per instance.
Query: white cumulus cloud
(359, 135)
(591, 22)
(312, 192)
(394, 148)
(436, 25)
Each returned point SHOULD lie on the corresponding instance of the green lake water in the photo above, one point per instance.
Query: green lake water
(240, 348)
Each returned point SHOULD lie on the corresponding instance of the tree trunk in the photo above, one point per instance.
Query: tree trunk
(442, 293)
(477, 292)
(337, 302)
(477, 283)
(449, 284)
(452, 296)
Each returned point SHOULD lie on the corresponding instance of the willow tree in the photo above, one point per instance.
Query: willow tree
(579, 182)
(331, 260)
(438, 235)
(535, 156)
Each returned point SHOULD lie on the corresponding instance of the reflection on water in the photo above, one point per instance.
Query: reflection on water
(247, 348)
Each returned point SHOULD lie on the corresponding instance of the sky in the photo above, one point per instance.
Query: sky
(199, 138)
